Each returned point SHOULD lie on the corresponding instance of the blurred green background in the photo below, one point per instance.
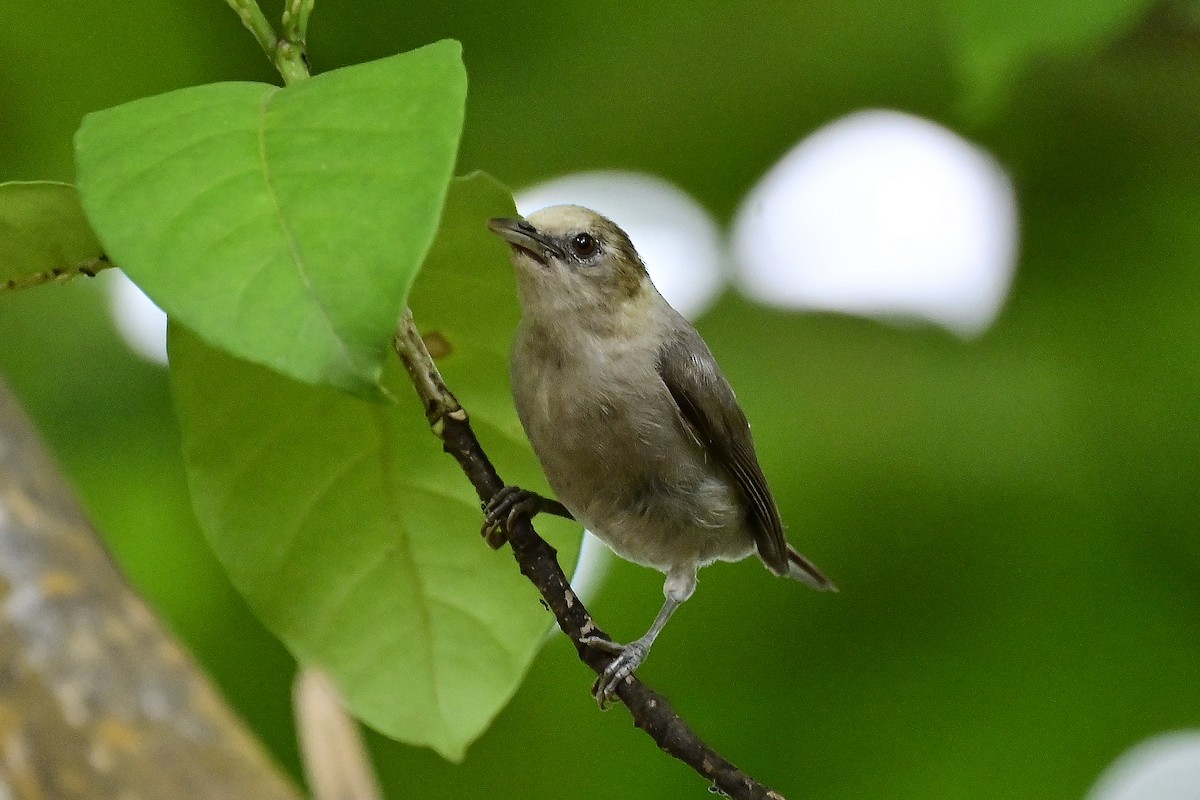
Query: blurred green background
(1012, 520)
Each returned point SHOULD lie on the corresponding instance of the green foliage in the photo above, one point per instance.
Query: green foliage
(284, 226)
(348, 529)
(993, 43)
(1011, 520)
(43, 233)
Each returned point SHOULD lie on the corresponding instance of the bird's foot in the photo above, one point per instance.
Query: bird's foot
(503, 510)
(628, 658)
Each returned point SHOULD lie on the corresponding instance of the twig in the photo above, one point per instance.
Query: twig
(89, 268)
(539, 563)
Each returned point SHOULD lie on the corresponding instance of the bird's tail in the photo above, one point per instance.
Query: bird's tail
(803, 570)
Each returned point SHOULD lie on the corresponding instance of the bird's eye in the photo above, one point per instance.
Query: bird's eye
(584, 244)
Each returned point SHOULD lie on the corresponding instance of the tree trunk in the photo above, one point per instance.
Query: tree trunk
(97, 699)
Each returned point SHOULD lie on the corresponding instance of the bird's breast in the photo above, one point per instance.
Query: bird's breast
(618, 455)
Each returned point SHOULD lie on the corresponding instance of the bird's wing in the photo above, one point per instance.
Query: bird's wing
(708, 406)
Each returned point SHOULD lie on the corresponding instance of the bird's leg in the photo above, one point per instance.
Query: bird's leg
(677, 588)
(629, 656)
(511, 503)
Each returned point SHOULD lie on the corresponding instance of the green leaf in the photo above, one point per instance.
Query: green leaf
(353, 536)
(43, 234)
(282, 225)
(992, 42)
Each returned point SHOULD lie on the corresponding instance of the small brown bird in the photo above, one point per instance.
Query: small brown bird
(638, 432)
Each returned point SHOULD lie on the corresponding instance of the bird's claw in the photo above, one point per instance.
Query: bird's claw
(628, 658)
(607, 645)
(503, 510)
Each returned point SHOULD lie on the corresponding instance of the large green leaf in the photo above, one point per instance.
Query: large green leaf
(282, 225)
(354, 537)
(992, 41)
(43, 234)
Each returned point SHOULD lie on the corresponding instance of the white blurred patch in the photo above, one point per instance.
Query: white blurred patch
(675, 236)
(595, 559)
(1166, 767)
(885, 215)
(140, 323)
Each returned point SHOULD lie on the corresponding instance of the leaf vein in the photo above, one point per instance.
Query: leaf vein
(407, 552)
(290, 237)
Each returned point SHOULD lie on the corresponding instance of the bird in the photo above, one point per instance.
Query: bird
(636, 428)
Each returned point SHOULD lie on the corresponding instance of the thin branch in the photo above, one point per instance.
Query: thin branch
(538, 562)
(57, 275)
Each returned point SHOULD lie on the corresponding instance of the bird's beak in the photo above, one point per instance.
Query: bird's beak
(526, 238)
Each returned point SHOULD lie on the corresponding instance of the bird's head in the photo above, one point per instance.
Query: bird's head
(571, 260)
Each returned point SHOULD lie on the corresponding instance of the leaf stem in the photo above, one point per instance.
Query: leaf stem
(295, 21)
(538, 562)
(291, 62)
(287, 54)
(256, 22)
